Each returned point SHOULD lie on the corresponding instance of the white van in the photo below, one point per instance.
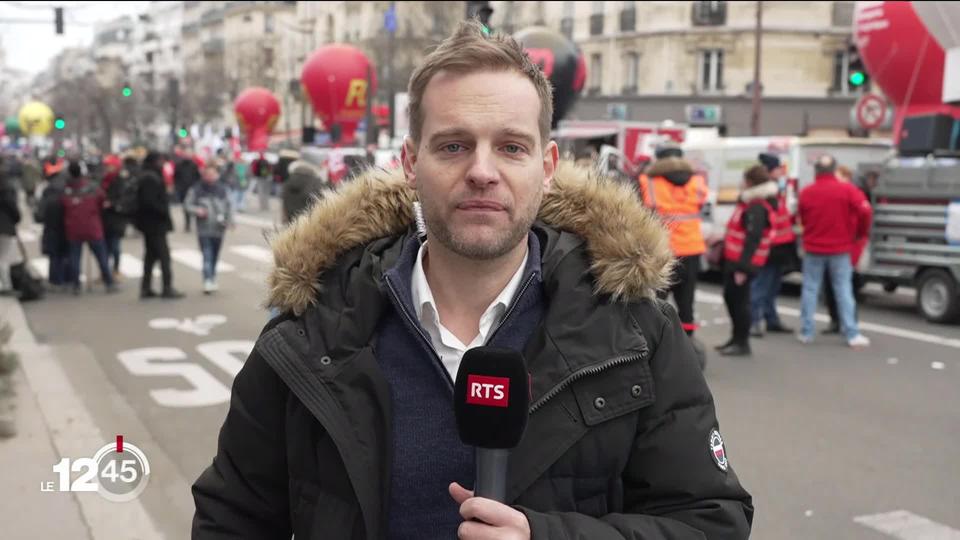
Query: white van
(722, 162)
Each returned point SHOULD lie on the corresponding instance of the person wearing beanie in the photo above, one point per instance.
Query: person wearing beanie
(307, 181)
(765, 287)
(82, 203)
(672, 190)
(746, 248)
(154, 221)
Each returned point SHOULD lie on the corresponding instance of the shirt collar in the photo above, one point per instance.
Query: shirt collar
(422, 296)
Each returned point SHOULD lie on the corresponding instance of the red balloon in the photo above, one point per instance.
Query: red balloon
(335, 78)
(257, 111)
(898, 52)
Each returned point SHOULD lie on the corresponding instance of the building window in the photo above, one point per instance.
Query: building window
(596, 19)
(841, 64)
(596, 73)
(842, 14)
(628, 17)
(711, 70)
(631, 72)
(710, 13)
(268, 23)
(330, 29)
(566, 23)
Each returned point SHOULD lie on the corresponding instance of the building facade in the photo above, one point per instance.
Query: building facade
(652, 60)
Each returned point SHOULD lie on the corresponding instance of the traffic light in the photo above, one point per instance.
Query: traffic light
(127, 90)
(58, 20)
(59, 122)
(856, 73)
(182, 133)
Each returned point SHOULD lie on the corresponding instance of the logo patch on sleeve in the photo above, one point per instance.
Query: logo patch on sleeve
(717, 452)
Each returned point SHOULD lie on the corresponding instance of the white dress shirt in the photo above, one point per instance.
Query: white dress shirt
(447, 345)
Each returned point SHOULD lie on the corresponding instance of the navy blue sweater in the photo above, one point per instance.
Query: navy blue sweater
(426, 451)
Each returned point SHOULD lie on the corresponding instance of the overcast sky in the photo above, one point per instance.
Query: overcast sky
(30, 46)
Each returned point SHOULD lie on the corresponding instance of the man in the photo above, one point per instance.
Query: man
(209, 201)
(263, 181)
(307, 180)
(765, 287)
(185, 176)
(341, 424)
(153, 220)
(82, 203)
(836, 218)
(677, 195)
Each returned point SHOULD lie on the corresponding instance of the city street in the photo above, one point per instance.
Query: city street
(832, 443)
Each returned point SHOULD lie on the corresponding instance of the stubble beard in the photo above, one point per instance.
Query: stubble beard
(467, 247)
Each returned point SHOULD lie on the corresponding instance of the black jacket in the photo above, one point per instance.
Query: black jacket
(9, 208)
(186, 173)
(153, 207)
(50, 212)
(303, 185)
(618, 443)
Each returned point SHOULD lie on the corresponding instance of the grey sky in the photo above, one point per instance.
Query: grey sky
(31, 46)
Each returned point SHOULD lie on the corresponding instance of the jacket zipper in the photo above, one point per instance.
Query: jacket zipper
(577, 375)
(426, 339)
(513, 306)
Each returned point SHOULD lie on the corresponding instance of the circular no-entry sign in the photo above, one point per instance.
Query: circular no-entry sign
(871, 111)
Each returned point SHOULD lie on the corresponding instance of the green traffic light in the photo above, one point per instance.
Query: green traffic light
(127, 91)
(59, 123)
(182, 133)
(61, 153)
(857, 78)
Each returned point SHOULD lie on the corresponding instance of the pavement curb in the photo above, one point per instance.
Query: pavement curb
(65, 422)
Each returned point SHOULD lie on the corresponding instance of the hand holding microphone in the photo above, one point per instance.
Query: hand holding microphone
(491, 403)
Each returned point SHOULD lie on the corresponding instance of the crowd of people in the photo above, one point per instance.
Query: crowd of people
(760, 244)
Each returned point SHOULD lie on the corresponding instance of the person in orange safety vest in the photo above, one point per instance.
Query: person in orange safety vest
(672, 190)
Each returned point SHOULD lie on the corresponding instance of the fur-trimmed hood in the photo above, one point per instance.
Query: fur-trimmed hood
(675, 169)
(629, 248)
(765, 190)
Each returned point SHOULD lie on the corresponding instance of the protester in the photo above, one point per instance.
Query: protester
(153, 220)
(307, 180)
(672, 190)
(53, 241)
(82, 203)
(263, 181)
(186, 174)
(765, 286)
(836, 218)
(746, 248)
(341, 422)
(844, 174)
(114, 181)
(209, 202)
(9, 217)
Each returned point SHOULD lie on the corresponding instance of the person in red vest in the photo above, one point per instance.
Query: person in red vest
(672, 190)
(765, 286)
(746, 248)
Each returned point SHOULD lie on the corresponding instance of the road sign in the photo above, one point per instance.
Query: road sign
(871, 110)
(704, 115)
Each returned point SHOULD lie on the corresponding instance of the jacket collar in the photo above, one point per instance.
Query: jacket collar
(765, 190)
(629, 253)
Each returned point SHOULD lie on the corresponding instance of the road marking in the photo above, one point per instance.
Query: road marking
(132, 267)
(938, 365)
(892, 361)
(908, 526)
(254, 252)
(194, 259)
(254, 221)
(711, 298)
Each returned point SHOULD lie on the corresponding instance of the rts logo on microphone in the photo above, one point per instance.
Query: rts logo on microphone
(488, 391)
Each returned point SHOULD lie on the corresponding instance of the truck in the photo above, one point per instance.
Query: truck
(915, 238)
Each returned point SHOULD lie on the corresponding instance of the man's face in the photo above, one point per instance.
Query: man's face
(210, 175)
(480, 168)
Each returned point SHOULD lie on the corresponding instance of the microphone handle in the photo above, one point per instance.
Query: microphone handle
(491, 474)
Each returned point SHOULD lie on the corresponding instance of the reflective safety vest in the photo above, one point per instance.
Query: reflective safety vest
(679, 207)
(736, 235)
(782, 223)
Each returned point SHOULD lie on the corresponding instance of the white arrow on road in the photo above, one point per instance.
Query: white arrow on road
(908, 526)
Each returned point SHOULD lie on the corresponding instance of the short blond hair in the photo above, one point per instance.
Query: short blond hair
(471, 49)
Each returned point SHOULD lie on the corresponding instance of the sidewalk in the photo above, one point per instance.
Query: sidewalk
(27, 458)
(53, 423)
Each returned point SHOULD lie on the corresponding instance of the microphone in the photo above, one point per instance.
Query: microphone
(491, 401)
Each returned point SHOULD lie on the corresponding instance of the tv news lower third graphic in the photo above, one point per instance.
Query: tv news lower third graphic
(118, 471)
